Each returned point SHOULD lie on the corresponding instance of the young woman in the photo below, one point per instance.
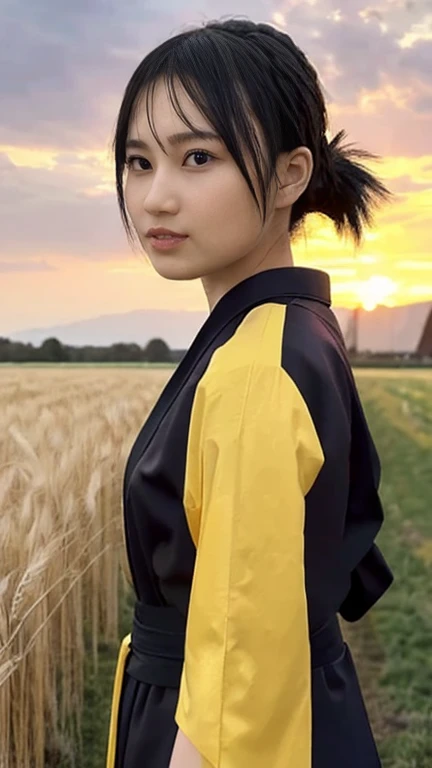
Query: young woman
(250, 494)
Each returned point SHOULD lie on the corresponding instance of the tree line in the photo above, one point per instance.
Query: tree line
(53, 351)
(156, 351)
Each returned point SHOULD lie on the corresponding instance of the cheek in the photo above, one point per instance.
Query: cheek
(130, 196)
(228, 206)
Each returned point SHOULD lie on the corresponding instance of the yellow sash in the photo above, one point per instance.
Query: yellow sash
(118, 681)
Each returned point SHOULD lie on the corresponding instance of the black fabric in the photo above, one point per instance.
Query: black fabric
(369, 579)
(157, 645)
(341, 734)
(346, 490)
(158, 639)
(344, 570)
(150, 693)
(146, 727)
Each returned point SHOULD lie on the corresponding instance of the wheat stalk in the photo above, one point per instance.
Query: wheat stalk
(65, 439)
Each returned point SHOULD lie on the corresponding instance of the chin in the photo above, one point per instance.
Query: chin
(172, 269)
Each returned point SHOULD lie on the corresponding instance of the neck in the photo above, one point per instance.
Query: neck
(217, 284)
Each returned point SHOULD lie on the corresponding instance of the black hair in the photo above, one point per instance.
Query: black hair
(234, 71)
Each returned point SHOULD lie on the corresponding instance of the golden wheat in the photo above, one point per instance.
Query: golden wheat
(65, 437)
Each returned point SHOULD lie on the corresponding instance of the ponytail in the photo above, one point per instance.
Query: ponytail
(342, 188)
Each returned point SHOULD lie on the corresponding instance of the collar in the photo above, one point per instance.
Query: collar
(296, 282)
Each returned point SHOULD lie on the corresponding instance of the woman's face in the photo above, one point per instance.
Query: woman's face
(195, 189)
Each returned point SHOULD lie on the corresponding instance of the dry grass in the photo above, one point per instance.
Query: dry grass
(65, 437)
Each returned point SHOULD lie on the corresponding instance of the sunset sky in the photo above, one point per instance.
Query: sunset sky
(63, 69)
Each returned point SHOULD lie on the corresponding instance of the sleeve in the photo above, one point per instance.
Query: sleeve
(253, 455)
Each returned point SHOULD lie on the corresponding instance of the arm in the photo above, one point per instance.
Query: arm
(253, 456)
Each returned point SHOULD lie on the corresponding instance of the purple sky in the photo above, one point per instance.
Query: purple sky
(63, 69)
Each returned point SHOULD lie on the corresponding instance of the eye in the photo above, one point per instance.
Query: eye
(137, 163)
(200, 156)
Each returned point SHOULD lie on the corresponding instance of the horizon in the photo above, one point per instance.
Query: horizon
(337, 308)
(384, 329)
(64, 257)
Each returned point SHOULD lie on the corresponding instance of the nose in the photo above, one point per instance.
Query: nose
(160, 196)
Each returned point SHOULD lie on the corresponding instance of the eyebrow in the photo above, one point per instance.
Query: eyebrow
(176, 138)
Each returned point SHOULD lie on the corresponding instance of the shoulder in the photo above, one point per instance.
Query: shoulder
(269, 359)
(293, 338)
(251, 354)
(285, 363)
(247, 402)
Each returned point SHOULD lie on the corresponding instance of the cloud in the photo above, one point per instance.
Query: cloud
(6, 165)
(64, 67)
(407, 184)
(387, 129)
(364, 43)
(418, 59)
(25, 266)
(70, 62)
(59, 212)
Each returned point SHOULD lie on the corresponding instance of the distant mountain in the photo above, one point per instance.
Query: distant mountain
(398, 329)
(177, 328)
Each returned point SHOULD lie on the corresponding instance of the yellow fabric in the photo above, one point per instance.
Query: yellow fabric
(253, 455)
(118, 681)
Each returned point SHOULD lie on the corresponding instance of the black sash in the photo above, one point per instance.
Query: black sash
(158, 639)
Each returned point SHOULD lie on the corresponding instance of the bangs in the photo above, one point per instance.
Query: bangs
(225, 85)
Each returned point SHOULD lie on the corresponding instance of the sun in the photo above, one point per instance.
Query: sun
(378, 289)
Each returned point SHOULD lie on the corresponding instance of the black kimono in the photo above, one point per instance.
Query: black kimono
(251, 509)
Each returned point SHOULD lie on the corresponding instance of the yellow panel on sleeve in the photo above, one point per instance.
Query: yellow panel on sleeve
(253, 454)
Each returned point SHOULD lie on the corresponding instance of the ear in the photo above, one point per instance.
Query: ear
(294, 170)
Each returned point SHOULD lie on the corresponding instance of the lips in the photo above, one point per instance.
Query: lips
(169, 237)
(162, 233)
(166, 240)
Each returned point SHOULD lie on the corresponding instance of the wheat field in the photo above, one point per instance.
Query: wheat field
(65, 437)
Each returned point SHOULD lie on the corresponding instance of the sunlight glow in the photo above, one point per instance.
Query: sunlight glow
(377, 290)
